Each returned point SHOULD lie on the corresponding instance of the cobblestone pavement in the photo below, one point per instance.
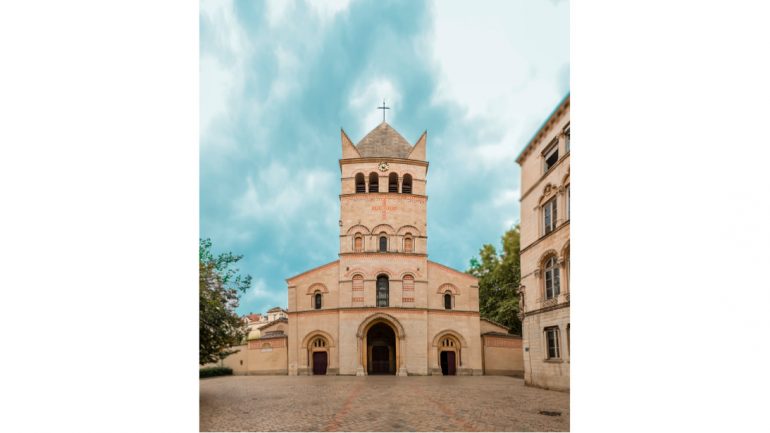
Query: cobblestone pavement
(378, 403)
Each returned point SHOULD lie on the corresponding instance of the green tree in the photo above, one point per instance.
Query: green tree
(499, 278)
(220, 288)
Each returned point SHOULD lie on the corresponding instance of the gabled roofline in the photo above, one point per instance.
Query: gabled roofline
(288, 280)
(542, 127)
(454, 270)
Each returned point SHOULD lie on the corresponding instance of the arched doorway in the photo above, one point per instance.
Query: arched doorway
(381, 349)
(448, 356)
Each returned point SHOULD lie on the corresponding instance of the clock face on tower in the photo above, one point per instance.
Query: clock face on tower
(384, 166)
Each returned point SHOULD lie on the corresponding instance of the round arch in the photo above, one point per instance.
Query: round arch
(317, 287)
(317, 333)
(387, 228)
(408, 229)
(400, 348)
(545, 256)
(449, 333)
(358, 228)
(448, 287)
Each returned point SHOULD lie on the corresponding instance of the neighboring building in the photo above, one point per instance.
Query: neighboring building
(502, 351)
(383, 307)
(545, 271)
(276, 313)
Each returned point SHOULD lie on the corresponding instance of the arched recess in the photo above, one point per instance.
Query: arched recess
(387, 228)
(449, 332)
(398, 329)
(358, 228)
(448, 340)
(411, 229)
(447, 287)
(374, 181)
(360, 183)
(406, 184)
(545, 256)
(318, 341)
(393, 182)
(317, 287)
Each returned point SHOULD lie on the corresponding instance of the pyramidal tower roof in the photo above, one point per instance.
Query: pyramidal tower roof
(384, 141)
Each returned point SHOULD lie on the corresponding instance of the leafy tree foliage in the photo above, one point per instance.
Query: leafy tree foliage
(220, 288)
(499, 278)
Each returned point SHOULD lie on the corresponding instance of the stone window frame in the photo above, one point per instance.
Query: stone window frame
(557, 337)
(451, 300)
(553, 147)
(394, 176)
(372, 176)
(408, 236)
(377, 290)
(356, 184)
(382, 235)
(356, 237)
(550, 208)
(317, 300)
(555, 276)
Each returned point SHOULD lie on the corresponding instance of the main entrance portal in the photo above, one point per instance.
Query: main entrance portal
(381, 349)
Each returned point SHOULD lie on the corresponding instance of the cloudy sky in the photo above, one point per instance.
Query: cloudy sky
(278, 79)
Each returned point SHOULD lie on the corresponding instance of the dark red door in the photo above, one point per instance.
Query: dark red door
(380, 360)
(448, 367)
(451, 366)
(319, 362)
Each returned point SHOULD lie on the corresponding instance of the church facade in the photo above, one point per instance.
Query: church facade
(382, 307)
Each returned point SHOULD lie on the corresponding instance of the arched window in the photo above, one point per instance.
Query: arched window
(374, 182)
(358, 243)
(382, 291)
(408, 243)
(317, 301)
(358, 282)
(383, 242)
(551, 278)
(406, 187)
(447, 301)
(408, 282)
(393, 182)
(360, 183)
(319, 342)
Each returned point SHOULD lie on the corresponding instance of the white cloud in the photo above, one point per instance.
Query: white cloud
(277, 11)
(328, 9)
(260, 291)
(367, 96)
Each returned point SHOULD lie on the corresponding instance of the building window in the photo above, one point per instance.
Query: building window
(549, 216)
(358, 282)
(551, 278)
(358, 243)
(566, 136)
(447, 301)
(319, 342)
(383, 243)
(406, 186)
(408, 282)
(382, 291)
(360, 183)
(551, 156)
(374, 182)
(317, 301)
(393, 182)
(408, 243)
(552, 342)
(567, 202)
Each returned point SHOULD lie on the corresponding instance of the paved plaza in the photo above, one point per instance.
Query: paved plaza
(378, 403)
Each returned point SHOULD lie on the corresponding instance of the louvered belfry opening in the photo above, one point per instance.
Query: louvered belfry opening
(360, 183)
(374, 181)
(406, 188)
(393, 182)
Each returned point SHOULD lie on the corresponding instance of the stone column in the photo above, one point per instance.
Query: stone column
(359, 363)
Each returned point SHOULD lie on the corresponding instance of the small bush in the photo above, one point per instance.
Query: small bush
(215, 371)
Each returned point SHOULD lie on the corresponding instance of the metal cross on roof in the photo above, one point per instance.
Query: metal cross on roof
(383, 108)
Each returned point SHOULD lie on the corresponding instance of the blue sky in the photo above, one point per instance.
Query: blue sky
(279, 78)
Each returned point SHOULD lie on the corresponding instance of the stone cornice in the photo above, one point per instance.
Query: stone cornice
(546, 174)
(541, 238)
(546, 309)
(379, 159)
(385, 309)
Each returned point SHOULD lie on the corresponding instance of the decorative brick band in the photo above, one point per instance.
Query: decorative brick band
(407, 300)
(358, 299)
(502, 342)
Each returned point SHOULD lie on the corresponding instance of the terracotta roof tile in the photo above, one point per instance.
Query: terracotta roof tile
(384, 141)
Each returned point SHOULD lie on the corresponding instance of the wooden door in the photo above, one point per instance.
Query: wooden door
(380, 360)
(451, 366)
(319, 362)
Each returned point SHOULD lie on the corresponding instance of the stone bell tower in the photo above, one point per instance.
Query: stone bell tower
(383, 220)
